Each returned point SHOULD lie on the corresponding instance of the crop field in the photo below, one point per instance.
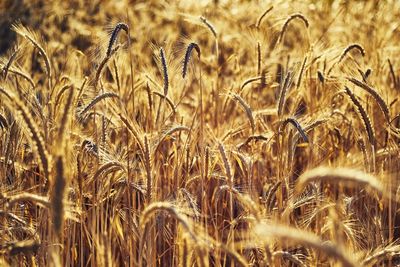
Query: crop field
(199, 133)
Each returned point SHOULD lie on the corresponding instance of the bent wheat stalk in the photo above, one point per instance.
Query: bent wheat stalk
(286, 24)
(267, 232)
(260, 19)
(349, 177)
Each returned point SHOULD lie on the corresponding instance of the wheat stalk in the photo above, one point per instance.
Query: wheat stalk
(7, 66)
(250, 80)
(57, 195)
(147, 163)
(103, 64)
(260, 19)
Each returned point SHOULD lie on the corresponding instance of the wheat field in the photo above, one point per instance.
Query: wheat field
(199, 133)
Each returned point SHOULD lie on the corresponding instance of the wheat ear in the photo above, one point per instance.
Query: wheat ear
(96, 100)
(364, 116)
(352, 47)
(227, 165)
(214, 33)
(26, 33)
(165, 79)
(289, 256)
(165, 70)
(33, 130)
(247, 109)
(282, 95)
(296, 124)
(188, 54)
(378, 98)
(66, 114)
(381, 254)
(114, 35)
